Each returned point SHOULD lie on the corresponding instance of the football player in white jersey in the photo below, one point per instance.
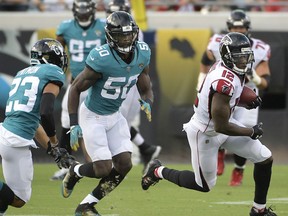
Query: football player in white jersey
(213, 126)
(258, 78)
(130, 107)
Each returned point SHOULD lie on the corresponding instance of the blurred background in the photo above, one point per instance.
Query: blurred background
(178, 32)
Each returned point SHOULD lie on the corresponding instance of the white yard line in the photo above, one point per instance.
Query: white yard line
(282, 200)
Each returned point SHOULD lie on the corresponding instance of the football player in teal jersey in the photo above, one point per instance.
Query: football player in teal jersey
(31, 100)
(79, 35)
(130, 107)
(110, 72)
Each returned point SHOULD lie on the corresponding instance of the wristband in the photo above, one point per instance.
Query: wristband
(255, 77)
(149, 102)
(73, 119)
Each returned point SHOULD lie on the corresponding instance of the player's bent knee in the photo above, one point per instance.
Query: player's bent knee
(210, 185)
(265, 152)
(17, 202)
(264, 155)
(102, 168)
(267, 161)
(124, 168)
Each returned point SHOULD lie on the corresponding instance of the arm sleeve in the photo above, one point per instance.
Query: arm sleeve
(46, 113)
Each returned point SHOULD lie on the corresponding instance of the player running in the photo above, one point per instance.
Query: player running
(111, 71)
(31, 100)
(258, 78)
(80, 35)
(130, 107)
(213, 126)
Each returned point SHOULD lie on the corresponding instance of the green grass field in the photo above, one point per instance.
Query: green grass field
(163, 199)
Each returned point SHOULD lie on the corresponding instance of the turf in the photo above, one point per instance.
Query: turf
(164, 198)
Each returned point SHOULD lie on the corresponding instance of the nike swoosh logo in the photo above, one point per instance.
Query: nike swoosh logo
(92, 58)
(61, 72)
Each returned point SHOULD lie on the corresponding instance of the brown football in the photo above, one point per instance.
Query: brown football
(247, 96)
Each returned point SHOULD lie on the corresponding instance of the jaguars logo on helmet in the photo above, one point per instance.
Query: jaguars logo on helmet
(47, 51)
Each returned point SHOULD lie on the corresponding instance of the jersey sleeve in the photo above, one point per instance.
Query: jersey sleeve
(55, 74)
(62, 27)
(97, 58)
(267, 53)
(145, 52)
(213, 45)
(261, 50)
(223, 86)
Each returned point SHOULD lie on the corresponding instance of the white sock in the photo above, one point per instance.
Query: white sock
(89, 199)
(158, 172)
(239, 167)
(258, 206)
(76, 170)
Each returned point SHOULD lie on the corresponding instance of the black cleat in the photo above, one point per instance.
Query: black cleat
(149, 154)
(149, 178)
(86, 209)
(265, 212)
(69, 181)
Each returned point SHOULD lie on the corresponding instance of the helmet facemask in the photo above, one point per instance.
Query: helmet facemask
(240, 62)
(123, 42)
(236, 53)
(84, 12)
(121, 32)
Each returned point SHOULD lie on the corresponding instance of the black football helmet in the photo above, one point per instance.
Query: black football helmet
(84, 11)
(49, 51)
(236, 52)
(238, 18)
(118, 5)
(121, 32)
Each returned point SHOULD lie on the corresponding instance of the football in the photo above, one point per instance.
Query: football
(247, 96)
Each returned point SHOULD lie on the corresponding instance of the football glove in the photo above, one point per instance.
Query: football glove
(257, 131)
(61, 156)
(255, 103)
(145, 106)
(75, 134)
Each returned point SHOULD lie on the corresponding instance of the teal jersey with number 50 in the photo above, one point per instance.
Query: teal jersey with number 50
(107, 94)
(23, 105)
(81, 41)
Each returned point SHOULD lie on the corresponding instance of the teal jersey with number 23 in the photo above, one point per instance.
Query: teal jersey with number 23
(23, 105)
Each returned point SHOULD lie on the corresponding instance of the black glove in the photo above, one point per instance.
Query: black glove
(257, 131)
(61, 156)
(254, 104)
